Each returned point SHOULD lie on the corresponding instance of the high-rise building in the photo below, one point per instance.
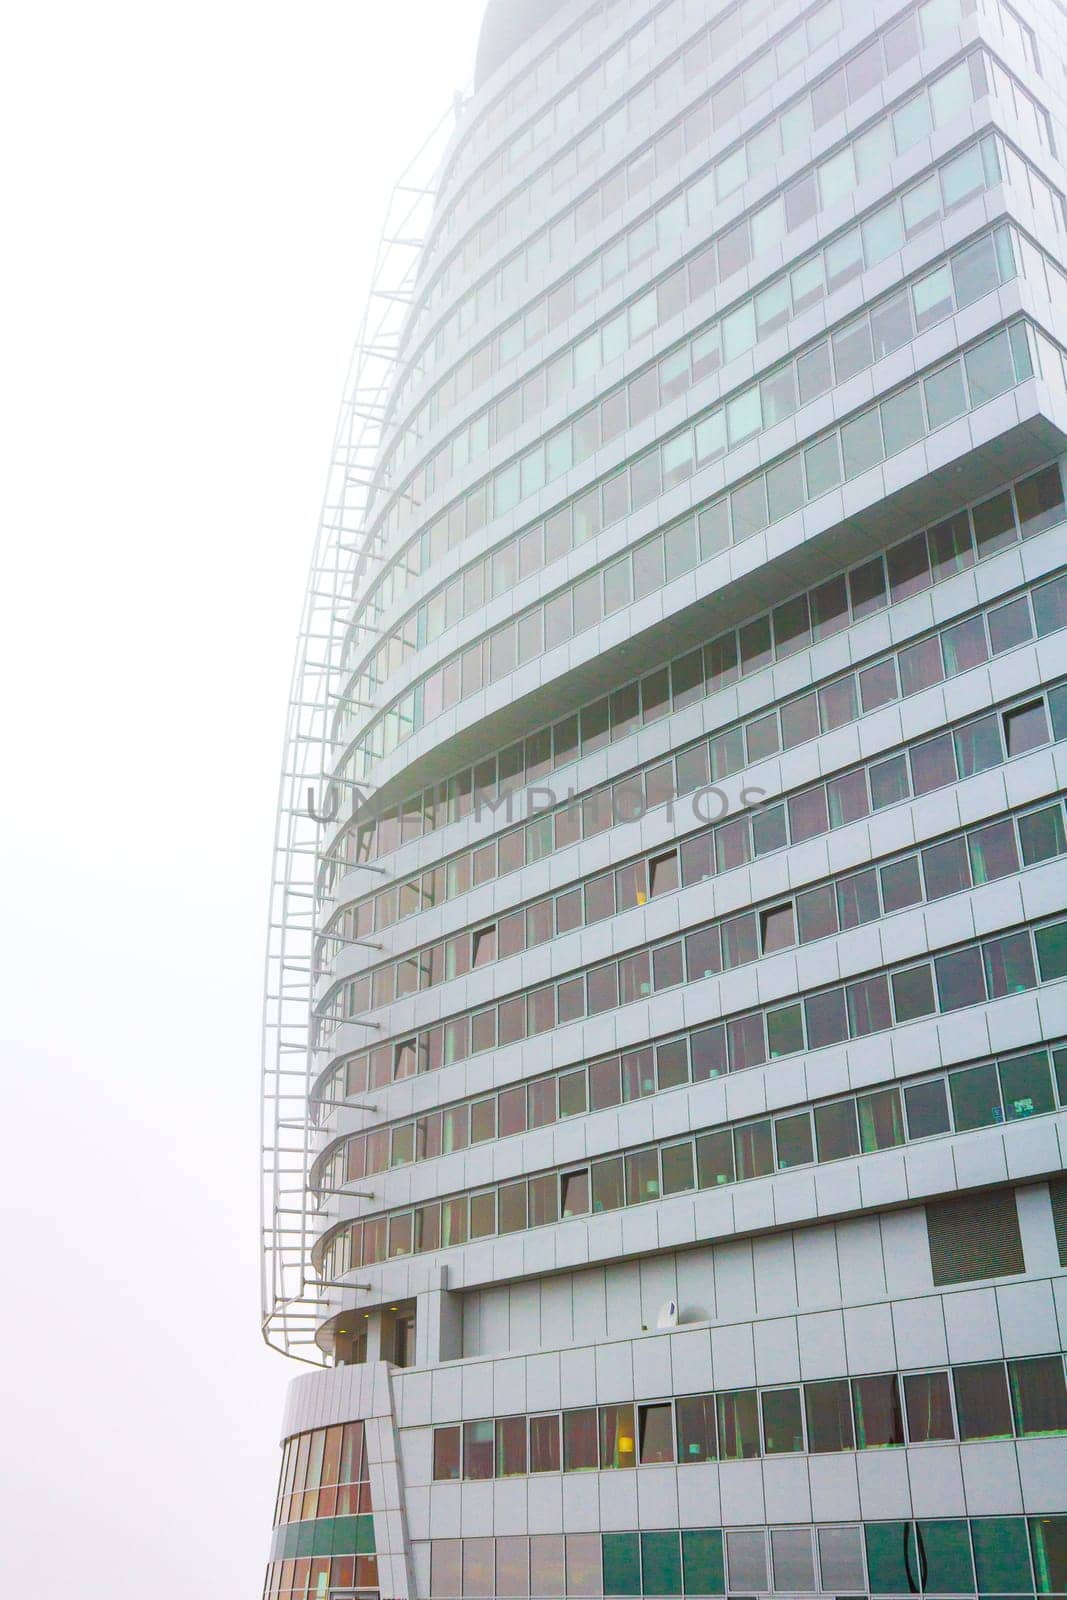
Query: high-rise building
(666, 1071)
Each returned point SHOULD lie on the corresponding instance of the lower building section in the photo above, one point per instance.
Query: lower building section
(935, 1556)
(874, 1404)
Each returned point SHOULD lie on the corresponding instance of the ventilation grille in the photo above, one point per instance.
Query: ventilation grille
(1057, 1191)
(976, 1236)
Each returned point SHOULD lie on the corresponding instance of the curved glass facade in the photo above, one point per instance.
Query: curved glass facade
(679, 996)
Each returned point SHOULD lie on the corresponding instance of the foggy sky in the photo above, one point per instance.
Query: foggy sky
(191, 198)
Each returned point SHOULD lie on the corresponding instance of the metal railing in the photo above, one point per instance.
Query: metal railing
(344, 561)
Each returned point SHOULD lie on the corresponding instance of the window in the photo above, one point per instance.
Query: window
(695, 1418)
(543, 1201)
(703, 1561)
(933, 764)
(655, 1434)
(1001, 1559)
(702, 953)
(861, 443)
(483, 1214)
(608, 1184)
(785, 1029)
(879, 1421)
(817, 914)
(1025, 1085)
(836, 1130)
(445, 1572)
(1048, 1537)
(445, 1453)
(881, 1120)
(889, 782)
(638, 1077)
(793, 1141)
(777, 930)
(928, 1404)
(747, 1558)
(622, 1563)
(511, 1202)
(761, 737)
(580, 1452)
(909, 568)
(932, 299)
(945, 868)
(482, 1123)
(964, 646)
(841, 1560)
(793, 1560)
(642, 1176)
(583, 1564)
(950, 546)
(1009, 625)
(944, 1555)
(783, 1426)
(1040, 501)
(901, 884)
(752, 1150)
(603, 988)
(959, 979)
(989, 369)
(745, 1042)
(739, 940)
(982, 1404)
(1025, 728)
(573, 1099)
(800, 720)
(663, 873)
(891, 1558)
(512, 1566)
(511, 1111)
(547, 1564)
(975, 1097)
(1038, 1395)
(678, 1175)
(994, 524)
(617, 1442)
(829, 1415)
(600, 898)
(715, 1159)
(857, 899)
(825, 1018)
(807, 814)
(510, 1447)
(478, 1449)
(945, 397)
(574, 1193)
(1051, 942)
(672, 1063)
(913, 992)
(1009, 965)
(814, 373)
(868, 1006)
(1050, 607)
(992, 852)
(544, 1443)
(978, 746)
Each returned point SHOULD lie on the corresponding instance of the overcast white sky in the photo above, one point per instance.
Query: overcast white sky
(190, 199)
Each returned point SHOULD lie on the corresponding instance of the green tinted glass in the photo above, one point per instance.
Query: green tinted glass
(891, 1563)
(945, 1550)
(702, 1561)
(661, 1563)
(622, 1564)
(1001, 1558)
